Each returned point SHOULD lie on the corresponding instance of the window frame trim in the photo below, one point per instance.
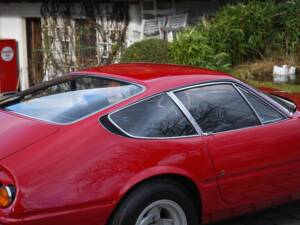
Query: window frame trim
(265, 102)
(186, 112)
(265, 98)
(152, 138)
(249, 103)
(235, 84)
(275, 106)
(190, 118)
(231, 83)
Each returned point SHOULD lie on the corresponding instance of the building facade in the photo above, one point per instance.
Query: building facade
(58, 37)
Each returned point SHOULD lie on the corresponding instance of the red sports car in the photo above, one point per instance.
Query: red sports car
(145, 144)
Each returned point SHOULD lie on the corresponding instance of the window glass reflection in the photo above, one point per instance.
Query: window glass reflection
(72, 99)
(218, 108)
(155, 117)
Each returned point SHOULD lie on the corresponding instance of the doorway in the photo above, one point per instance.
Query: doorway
(34, 50)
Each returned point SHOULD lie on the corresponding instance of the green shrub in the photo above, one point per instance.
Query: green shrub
(150, 50)
(243, 31)
(192, 47)
(286, 33)
(239, 33)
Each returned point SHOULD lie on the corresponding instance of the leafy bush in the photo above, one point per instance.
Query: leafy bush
(286, 33)
(239, 33)
(193, 47)
(243, 30)
(150, 50)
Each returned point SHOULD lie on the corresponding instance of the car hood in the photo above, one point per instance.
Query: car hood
(18, 132)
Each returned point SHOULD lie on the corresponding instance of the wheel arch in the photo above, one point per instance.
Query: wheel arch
(183, 178)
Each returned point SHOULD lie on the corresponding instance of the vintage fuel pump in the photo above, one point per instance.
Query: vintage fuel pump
(8, 67)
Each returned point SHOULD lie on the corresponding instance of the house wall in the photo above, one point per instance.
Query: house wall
(13, 26)
(13, 23)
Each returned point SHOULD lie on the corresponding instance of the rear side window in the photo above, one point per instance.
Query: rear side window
(155, 117)
(266, 113)
(70, 98)
(284, 102)
(218, 108)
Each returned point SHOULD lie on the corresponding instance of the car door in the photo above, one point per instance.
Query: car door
(253, 147)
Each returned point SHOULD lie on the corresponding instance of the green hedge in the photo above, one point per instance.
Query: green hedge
(150, 50)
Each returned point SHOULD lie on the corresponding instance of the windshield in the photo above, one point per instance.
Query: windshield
(70, 98)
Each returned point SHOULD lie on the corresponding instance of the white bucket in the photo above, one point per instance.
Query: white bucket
(292, 73)
(282, 74)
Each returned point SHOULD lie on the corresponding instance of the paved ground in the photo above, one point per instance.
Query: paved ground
(281, 215)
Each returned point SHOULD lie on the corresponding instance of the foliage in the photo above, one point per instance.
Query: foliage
(239, 33)
(286, 34)
(193, 47)
(243, 30)
(150, 50)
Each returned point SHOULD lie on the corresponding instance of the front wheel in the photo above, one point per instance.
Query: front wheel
(160, 202)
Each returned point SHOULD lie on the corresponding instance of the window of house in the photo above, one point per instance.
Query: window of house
(266, 113)
(152, 9)
(154, 118)
(218, 108)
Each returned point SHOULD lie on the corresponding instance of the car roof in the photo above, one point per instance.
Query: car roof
(149, 74)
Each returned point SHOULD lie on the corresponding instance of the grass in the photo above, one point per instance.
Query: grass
(292, 88)
(259, 74)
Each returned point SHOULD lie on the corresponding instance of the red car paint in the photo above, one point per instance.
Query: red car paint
(78, 173)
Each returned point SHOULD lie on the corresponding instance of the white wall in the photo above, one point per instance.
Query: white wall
(13, 26)
(134, 26)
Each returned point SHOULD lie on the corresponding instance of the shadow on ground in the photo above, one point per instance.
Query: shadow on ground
(282, 215)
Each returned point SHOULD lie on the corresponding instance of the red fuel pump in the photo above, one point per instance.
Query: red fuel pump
(8, 66)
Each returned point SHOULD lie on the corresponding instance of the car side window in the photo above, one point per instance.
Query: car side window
(218, 108)
(266, 113)
(154, 117)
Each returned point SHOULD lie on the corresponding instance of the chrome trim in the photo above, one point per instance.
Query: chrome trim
(262, 98)
(185, 112)
(233, 83)
(141, 137)
(201, 85)
(10, 195)
(230, 82)
(247, 101)
(265, 98)
(88, 115)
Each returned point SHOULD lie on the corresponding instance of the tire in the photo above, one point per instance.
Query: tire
(157, 200)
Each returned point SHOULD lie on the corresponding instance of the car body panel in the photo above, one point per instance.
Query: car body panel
(94, 214)
(78, 173)
(245, 159)
(17, 132)
(94, 179)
